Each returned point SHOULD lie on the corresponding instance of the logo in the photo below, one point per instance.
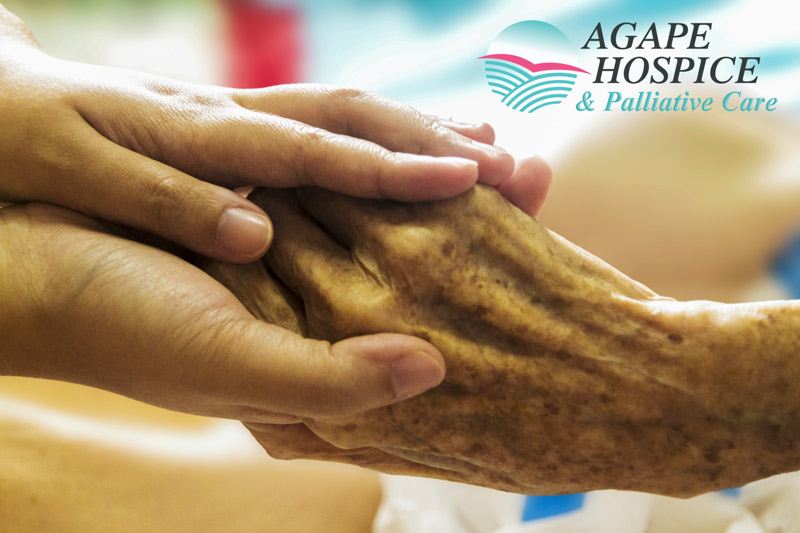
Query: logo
(522, 84)
(530, 65)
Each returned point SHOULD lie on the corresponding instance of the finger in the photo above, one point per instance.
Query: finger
(264, 296)
(292, 442)
(269, 370)
(303, 256)
(122, 186)
(481, 132)
(299, 442)
(390, 124)
(345, 291)
(277, 371)
(276, 152)
(350, 221)
(528, 185)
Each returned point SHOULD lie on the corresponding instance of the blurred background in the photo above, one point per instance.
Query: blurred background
(697, 206)
(420, 52)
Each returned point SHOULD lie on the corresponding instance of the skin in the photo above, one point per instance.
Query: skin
(162, 156)
(94, 162)
(526, 194)
(89, 306)
(564, 375)
(54, 480)
(89, 154)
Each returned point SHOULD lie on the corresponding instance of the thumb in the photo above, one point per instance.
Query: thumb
(275, 371)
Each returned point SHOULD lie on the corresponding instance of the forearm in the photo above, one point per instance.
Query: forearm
(157, 492)
(721, 393)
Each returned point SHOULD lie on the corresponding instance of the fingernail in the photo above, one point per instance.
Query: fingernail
(415, 373)
(243, 232)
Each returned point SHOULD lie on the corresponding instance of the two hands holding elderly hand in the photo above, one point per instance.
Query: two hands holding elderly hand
(95, 160)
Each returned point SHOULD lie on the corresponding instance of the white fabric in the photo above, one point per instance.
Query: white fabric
(417, 505)
(421, 505)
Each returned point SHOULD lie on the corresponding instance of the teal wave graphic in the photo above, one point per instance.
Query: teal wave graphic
(524, 90)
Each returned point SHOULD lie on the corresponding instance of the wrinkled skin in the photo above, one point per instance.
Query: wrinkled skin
(563, 375)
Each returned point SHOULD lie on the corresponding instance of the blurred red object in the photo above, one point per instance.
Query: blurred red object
(264, 43)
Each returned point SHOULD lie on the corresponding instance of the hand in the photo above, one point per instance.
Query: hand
(162, 155)
(563, 375)
(80, 304)
(337, 288)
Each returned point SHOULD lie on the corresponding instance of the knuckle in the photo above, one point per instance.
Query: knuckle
(313, 155)
(177, 118)
(166, 197)
(411, 242)
(184, 97)
(349, 94)
(427, 133)
(277, 450)
(313, 138)
(344, 316)
(383, 173)
(416, 249)
(256, 99)
(334, 400)
(160, 87)
(347, 107)
(439, 132)
(344, 108)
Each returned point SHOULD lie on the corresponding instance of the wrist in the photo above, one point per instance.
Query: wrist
(738, 367)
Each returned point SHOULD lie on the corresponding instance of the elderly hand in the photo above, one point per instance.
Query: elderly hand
(80, 304)
(563, 374)
(162, 155)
